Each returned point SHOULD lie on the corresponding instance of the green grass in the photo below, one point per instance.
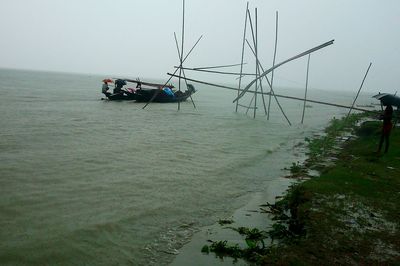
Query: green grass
(352, 211)
(348, 215)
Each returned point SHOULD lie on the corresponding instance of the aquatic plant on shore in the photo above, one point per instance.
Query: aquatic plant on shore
(323, 146)
(287, 227)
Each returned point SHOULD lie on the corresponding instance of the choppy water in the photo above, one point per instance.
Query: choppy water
(85, 181)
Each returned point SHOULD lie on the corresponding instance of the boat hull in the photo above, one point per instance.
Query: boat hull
(147, 95)
(162, 96)
(125, 96)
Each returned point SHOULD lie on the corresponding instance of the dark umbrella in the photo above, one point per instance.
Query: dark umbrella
(120, 82)
(388, 99)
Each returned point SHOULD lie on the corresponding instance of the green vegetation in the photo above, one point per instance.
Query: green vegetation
(325, 146)
(348, 215)
(297, 170)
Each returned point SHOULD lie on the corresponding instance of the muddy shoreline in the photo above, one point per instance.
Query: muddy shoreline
(247, 216)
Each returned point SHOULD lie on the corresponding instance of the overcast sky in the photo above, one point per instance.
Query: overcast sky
(136, 38)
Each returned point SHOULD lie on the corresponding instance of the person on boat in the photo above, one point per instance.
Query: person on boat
(105, 88)
(119, 83)
(178, 93)
(169, 92)
(386, 127)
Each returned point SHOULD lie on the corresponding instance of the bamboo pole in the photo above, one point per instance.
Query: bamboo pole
(305, 93)
(183, 28)
(258, 65)
(183, 72)
(255, 47)
(217, 72)
(262, 90)
(277, 95)
(176, 70)
(254, 37)
(183, 38)
(190, 51)
(362, 83)
(248, 107)
(282, 63)
(262, 95)
(255, 55)
(273, 62)
(272, 91)
(209, 67)
(241, 62)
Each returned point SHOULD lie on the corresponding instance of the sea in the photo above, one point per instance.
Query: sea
(86, 181)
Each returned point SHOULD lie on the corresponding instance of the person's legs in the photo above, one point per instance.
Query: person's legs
(387, 143)
(381, 142)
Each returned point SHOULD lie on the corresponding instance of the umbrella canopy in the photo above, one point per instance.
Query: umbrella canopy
(120, 81)
(388, 99)
(108, 80)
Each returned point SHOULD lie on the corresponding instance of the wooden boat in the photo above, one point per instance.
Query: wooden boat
(146, 91)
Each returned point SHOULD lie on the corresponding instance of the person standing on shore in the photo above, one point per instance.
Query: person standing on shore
(386, 127)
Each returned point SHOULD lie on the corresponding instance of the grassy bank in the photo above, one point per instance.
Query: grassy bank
(349, 214)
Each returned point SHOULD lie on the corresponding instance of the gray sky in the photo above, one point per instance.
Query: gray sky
(135, 38)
